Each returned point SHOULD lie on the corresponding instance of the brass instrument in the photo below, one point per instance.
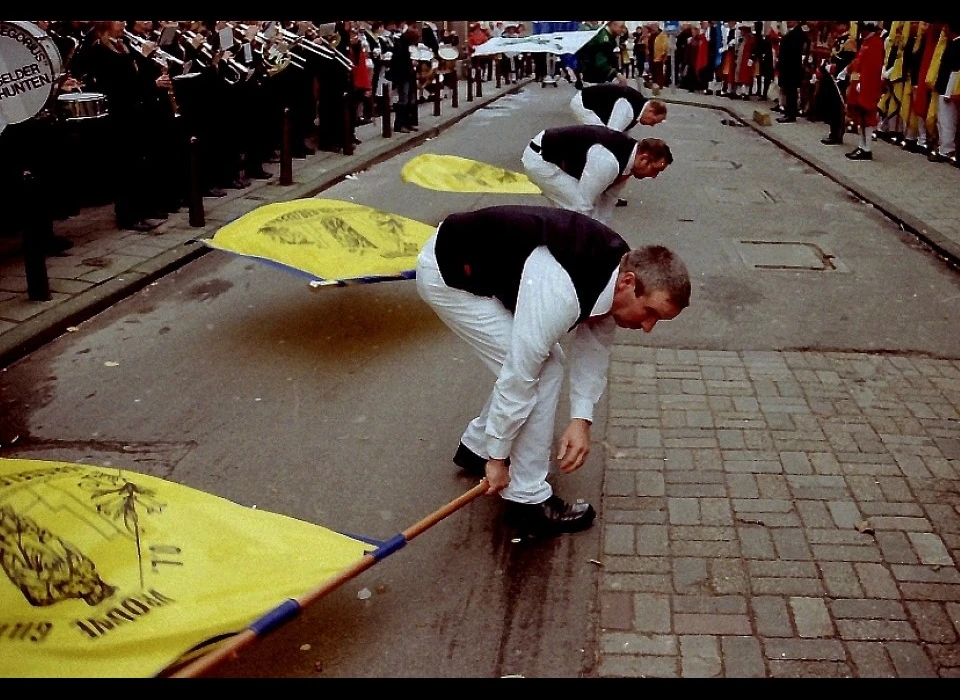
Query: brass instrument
(313, 42)
(275, 52)
(199, 42)
(161, 58)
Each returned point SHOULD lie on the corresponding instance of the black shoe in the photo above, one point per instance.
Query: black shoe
(553, 517)
(142, 226)
(860, 154)
(471, 462)
(935, 157)
(786, 120)
(623, 203)
(830, 141)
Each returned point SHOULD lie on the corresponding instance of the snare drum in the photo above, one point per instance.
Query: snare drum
(82, 106)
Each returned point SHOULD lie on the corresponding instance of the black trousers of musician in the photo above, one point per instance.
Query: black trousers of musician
(133, 157)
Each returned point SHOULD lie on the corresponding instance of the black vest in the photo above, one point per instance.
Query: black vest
(484, 252)
(601, 99)
(567, 147)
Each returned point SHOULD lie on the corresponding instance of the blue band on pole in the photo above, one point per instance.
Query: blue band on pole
(277, 618)
(391, 547)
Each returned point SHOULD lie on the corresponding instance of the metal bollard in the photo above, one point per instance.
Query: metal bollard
(499, 72)
(198, 218)
(479, 79)
(34, 234)
(455, 89)
(286, 149)
(349, 148)
(438, 94)
(385, 111)
(471, 72)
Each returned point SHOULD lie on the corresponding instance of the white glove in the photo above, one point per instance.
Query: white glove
(842, 76)
(886, 73)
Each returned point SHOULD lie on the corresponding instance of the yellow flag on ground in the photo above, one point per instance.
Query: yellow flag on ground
(329, 240)
(456, 174)
(107, 573)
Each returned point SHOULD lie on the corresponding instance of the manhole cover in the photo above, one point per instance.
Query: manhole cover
(776, 255)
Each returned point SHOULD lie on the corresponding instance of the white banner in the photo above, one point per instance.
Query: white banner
(559, 43)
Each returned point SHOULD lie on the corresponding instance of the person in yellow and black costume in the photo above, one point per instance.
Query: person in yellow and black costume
(917, 136)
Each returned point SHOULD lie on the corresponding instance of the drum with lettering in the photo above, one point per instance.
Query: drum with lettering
(30, 68)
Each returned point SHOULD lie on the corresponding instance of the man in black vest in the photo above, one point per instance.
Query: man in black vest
(585, 168)
(577, 277)
(619, 107)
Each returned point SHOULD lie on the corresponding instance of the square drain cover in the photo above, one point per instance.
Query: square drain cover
(777, 255)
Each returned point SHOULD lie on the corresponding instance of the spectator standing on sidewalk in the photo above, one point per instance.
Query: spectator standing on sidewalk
(866, 88)
(947, 89)
(793, 50)
(403, 76)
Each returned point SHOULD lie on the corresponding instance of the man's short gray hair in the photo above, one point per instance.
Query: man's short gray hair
(659, 269)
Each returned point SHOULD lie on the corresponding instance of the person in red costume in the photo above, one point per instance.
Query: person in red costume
(866, 89)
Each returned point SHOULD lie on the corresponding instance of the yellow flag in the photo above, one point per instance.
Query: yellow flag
(455, 174)
(328, 240)
(107, 573)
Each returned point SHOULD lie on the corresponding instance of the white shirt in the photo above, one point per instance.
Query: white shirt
(600, 173)
(623, 116)
(547, 308)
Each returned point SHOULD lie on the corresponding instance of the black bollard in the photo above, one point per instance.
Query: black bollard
(349, 147)
(499, 72)
(455, 89)
(286, 149)
(479, 79)
(36, 231)
(386, 111)
(471, 71)
(438, 94)
(198, 218)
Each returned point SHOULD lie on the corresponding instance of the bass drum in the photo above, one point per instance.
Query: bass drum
(32, 66)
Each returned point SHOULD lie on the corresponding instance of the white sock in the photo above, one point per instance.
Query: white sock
(868, 139)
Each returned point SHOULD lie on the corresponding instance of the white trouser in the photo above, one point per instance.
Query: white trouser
(582, 114)
(947, 121)
(564, 190)
(487, 327)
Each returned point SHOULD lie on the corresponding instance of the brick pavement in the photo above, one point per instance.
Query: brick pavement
(784, 514)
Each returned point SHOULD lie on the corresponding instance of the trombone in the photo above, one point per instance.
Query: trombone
(199, 42)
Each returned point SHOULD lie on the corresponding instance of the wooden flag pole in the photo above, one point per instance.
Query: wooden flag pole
(231, 648)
